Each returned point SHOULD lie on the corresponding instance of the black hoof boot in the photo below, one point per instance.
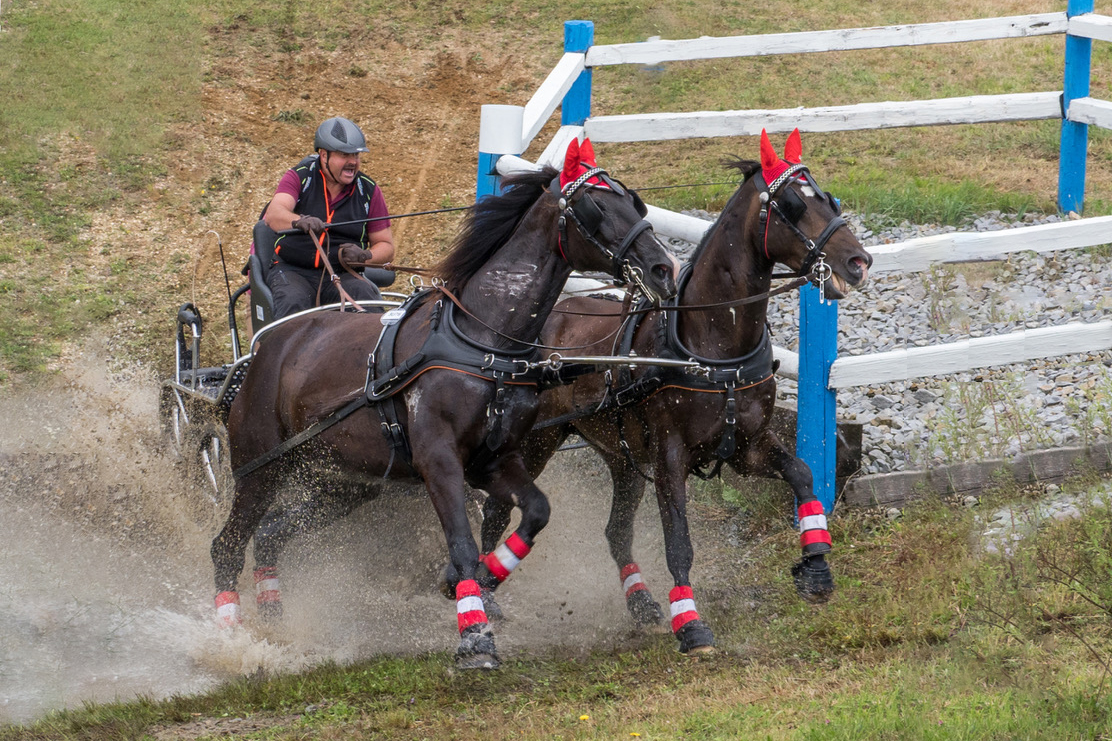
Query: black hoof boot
(813, 579)
(476, 649)
(448, 581)
(695, 638)
(270, 612)
(490, 605)
(644, 609)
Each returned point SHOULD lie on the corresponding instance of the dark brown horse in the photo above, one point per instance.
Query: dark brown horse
(672, 423)
(451, 394)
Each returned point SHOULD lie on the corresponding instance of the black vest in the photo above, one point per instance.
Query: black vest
(298, 249)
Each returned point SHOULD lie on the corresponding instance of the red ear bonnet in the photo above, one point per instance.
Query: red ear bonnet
(771, 164)
(793, 150)
(587, 154)
(571, 164)
(579, 159)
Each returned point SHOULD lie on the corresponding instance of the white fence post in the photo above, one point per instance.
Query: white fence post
(499, 133)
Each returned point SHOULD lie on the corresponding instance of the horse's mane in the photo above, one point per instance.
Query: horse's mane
(747, 168)
(489, 223)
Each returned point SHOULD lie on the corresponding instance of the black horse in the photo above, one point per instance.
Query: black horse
(673, 423)
(449, 394)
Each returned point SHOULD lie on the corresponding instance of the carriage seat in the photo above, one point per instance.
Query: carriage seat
(258, 268)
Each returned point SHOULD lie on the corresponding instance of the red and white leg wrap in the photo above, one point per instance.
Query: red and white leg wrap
(506, 557)
(814, 538)
(469, 605)
(682, 601)
(227, 610)
(267, 589)
(632, 582)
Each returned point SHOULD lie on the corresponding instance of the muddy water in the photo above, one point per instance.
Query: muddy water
(106, 583)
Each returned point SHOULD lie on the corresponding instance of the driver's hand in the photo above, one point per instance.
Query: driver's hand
(353, 254)
(310, 224)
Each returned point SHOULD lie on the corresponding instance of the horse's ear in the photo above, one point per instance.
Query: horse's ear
(793, 150)
(587, 154)
(571, 163)
(769, 158)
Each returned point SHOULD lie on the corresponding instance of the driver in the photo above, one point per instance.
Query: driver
(323, 190)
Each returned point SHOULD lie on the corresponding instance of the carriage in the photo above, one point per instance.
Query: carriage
(194, 403)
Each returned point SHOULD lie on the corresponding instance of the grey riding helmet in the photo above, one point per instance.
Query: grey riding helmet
(340, 135)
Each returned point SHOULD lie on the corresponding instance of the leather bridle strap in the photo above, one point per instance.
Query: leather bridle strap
(814, 248)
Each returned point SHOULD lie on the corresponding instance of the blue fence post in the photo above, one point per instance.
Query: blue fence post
(816, 421)
(576, 107)
(500, 132)
(1075, 136)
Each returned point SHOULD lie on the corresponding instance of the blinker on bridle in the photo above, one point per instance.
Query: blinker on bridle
(575, 201)
(790, 208)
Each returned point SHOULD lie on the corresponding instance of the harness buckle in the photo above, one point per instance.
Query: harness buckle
(820, 273)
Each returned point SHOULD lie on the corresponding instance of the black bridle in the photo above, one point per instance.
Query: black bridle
(575, 202)
(790, 208)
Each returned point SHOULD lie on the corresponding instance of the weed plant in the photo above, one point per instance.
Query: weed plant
(984, 419)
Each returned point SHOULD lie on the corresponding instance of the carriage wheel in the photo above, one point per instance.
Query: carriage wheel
(214, 458)
(174, 421)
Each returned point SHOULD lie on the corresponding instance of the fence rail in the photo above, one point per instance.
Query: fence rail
(967, 355)
(848, 39)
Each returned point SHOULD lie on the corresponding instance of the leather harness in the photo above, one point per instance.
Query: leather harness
(717, 375)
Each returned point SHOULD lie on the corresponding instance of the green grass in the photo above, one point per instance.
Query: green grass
(88, 87)
(928, 638)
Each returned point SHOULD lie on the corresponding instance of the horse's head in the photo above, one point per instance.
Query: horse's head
(801, 225)
(602, 226)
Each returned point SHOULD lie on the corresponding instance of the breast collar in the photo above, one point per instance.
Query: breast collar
(717, 374)
(445, 348)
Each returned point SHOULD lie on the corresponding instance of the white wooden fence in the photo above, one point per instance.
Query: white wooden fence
(568, 85)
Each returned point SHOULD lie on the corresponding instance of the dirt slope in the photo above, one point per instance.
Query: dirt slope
(419, 109)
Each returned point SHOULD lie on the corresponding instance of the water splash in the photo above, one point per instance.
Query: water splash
(106, 582)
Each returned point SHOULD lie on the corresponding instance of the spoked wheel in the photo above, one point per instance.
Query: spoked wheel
(215, 463)
(175, 421)
(198, 443)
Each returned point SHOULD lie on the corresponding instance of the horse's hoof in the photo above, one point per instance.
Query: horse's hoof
(448, 581)
(270, 612)
(645, 610)
(476, 648)
(490, 605)
(813, 580)
(695, 638)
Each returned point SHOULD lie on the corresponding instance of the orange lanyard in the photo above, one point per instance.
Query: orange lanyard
(328, 211)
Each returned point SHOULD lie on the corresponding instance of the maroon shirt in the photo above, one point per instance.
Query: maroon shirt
(291, 184)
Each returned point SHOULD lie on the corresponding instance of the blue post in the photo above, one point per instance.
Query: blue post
(1075, 136)
(576, 107)
(487, 182)
(816, 425)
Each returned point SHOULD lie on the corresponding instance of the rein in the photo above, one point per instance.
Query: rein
(796, 283)
(627, 302)
(345, 297)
